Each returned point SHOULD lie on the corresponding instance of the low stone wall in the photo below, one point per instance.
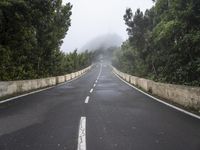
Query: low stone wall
(186, 96)
(9, 88)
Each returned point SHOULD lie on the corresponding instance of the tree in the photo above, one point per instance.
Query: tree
(31, 34)
(164, 42)
(17, 40)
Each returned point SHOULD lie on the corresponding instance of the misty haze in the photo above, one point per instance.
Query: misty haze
(99, 75)
(103, 42)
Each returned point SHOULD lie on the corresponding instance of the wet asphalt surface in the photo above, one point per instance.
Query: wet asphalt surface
(117, 118)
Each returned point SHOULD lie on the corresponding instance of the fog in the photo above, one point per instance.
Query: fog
(96, 18)
(103, 42)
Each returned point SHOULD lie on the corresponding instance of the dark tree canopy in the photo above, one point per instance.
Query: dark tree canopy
(31, 33)
(164, 42)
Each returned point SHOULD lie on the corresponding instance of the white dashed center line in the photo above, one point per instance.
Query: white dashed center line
(87, 99)
(91, 90)
(82, 134)
(82, 126)
(99, 72)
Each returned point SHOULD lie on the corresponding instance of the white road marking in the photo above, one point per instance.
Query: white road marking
(94, 85)
(91, 90)
(99, 72)
(87, 99)
(9, 99)
(37, 91)
(96, 81)
(165, 103)
(82, 134)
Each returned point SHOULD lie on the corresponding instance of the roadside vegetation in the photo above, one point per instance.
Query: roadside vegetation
(31, 33)
(164, 43)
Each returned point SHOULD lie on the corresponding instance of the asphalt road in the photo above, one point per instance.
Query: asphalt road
(103, 114)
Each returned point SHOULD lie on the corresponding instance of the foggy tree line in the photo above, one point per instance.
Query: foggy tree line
(164, 42)
(31, 33)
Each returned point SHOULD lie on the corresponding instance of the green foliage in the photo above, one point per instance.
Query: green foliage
(164, 42)
(70, 62)
(31, 34)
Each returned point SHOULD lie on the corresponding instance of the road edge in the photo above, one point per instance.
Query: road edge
(43, 89)
(159, 100)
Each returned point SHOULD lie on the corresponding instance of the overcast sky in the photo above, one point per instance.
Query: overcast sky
(91, 18)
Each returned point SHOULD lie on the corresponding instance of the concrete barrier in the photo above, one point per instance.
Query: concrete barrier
(134, 80)
(126, 77)
(60, 79)
(76, 74)
(67, 77)
(9, 88)
(186, 96)
(73, 75)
